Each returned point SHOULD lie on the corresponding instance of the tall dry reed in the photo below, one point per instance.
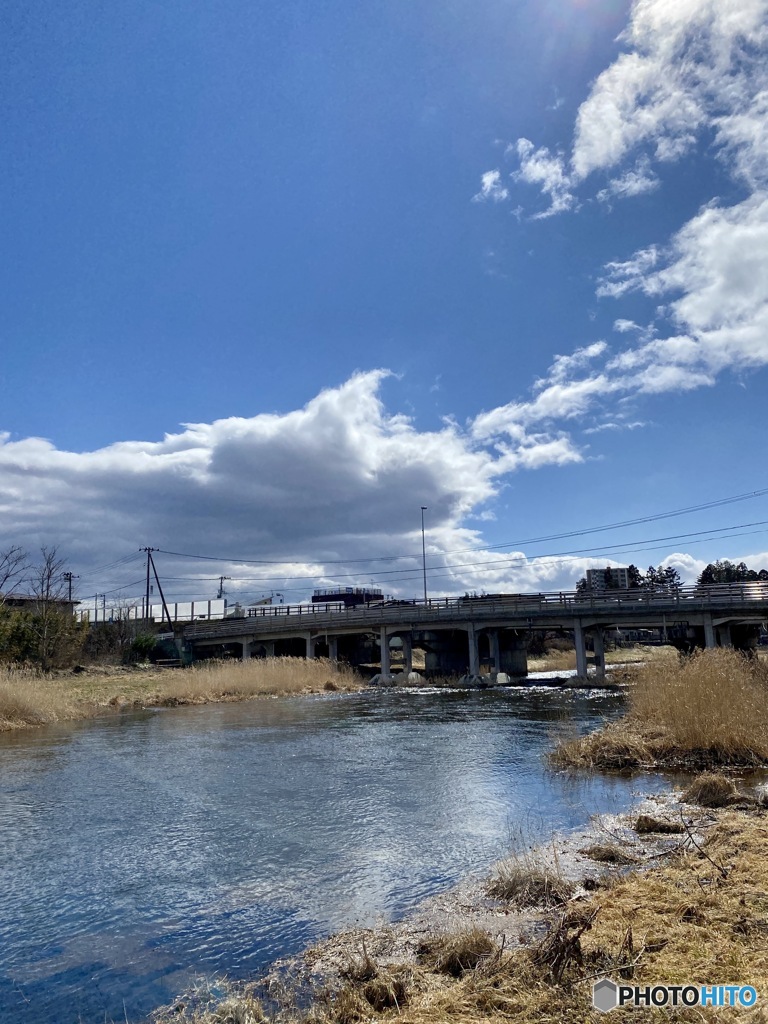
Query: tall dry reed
(707, 710)
(268, 676)
(716, 700)
(27, 697)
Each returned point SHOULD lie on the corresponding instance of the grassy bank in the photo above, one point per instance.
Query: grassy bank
(710, 709)
(30, 698)
(696, 919)
(694, 914)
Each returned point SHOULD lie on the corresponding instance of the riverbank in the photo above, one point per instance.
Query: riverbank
(674, 893)
(705, 711)
(671, 893)
(29, 698)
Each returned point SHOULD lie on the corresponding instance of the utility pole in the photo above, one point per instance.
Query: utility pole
(221, 586)
(147, 614)
(68, 576)
(151, 563)
(424, 552)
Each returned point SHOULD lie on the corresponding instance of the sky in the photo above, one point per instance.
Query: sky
(274, 276)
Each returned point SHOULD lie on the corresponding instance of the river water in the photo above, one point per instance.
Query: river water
(142, 850)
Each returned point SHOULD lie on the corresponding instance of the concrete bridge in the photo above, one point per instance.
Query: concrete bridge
(462, 635)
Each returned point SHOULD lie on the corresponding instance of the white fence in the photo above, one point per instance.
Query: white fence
(97, 609)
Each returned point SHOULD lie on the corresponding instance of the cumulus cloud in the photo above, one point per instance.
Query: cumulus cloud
(308, 492)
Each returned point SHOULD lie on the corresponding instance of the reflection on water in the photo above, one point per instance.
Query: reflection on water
(142, 850)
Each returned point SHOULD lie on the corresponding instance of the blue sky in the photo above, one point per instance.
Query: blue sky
(503, 259)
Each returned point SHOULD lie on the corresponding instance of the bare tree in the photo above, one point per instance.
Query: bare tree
(13, 564)
(53, 623)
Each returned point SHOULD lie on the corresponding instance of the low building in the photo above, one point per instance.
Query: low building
(31, 603)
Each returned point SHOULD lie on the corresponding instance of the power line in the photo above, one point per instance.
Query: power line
(718, 503)
(494, 565)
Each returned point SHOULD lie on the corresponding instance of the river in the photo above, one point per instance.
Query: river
(142, 850)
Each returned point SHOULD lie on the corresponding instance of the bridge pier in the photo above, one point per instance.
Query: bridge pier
(474, 653)
(386, 669)
(513, 655)
(494, 650)
(310, 640)
(709, 632)
(407, 653)
(598, 643)
(581, 649)
(333, 649)
(246, 645)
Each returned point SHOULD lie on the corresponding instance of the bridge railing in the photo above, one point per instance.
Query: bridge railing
(515, 605)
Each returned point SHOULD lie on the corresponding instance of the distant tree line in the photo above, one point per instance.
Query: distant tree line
(656, 580)
(666, 580)
(724, 571)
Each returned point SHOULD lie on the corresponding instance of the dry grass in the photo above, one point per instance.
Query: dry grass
(684, 922)
(527, 884)
(202, 1005)
(648, 825)
(29, 698)
(561, 661)
(711, 790)
(702, 917)
(457, 952)
(609, 853)
(257, 677)
(710, 709)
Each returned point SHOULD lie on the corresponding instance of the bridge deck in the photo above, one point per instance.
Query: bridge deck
(746, 603)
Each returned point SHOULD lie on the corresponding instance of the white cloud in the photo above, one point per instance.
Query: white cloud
(542, 168)
(491, 188)
(689, 66)
(637, 181)
(341, 478)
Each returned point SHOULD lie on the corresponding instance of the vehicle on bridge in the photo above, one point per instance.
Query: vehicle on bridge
(350, 597)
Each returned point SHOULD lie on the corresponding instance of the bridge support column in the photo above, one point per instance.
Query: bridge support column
(269, 648)
(407, 654)
(333, 649)
(709, 632)
(386, 670)
(599, 658)
(310, 646)
(474, 653)
(246, 644)
(724, 635)
(581, 649)
(495, 650)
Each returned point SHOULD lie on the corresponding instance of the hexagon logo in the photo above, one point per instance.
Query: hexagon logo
(605, 995)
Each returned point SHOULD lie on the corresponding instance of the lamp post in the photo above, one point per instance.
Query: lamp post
(424, 552)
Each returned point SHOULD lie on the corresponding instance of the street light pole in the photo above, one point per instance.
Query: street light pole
(424, 552)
